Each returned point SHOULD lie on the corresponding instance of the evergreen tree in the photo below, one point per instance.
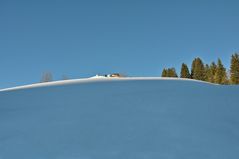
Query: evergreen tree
(172, 72)
(164, 73)
(184, 71)
(234, 69)
(220, 75)
(212, 72)
(193, 68)
(197, 70)
(207, 73)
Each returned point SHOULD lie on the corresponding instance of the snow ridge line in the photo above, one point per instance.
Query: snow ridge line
(96, 79)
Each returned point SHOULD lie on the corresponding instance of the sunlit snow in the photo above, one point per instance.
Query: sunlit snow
(120, 118)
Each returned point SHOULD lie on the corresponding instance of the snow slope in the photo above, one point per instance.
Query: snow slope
(128, 118)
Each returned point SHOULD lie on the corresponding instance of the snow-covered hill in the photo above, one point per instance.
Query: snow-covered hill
(128, 118)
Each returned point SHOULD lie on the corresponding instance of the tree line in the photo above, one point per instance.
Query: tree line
(214, 72)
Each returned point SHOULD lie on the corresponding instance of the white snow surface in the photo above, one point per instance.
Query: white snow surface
(120, 118)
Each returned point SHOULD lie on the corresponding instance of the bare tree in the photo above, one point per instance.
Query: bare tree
(47, 77)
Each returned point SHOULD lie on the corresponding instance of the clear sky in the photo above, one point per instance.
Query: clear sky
(80, 38)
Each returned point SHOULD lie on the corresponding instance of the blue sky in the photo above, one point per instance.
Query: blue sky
(134, 37)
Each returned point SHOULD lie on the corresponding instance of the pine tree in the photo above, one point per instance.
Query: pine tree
(172, 72)
(207, 73)
(220, 75)
(234, 69)
(197, 70)
(164, 73)
(212, 72)
(193, 68)
(184, 71)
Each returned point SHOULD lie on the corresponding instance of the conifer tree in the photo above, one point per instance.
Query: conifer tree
(184, 71)
(197, 70)
(207, 73)
(193, 68)
(212, 72)
(220, 75)
(164, 73)
(172, 72)
(234, 69)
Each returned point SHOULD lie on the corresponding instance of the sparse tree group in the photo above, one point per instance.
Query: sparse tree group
(214, 73)
(48, 77)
